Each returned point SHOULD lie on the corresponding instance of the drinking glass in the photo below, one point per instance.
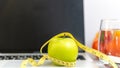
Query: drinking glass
(109, 39)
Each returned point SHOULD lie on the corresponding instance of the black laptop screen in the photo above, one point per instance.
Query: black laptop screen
(26, 24)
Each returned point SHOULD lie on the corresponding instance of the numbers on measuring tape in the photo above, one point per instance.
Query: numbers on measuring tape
(87, 49)
(101, 56)
(41, 61)
(93, 52)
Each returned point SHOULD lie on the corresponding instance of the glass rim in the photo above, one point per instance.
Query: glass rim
(109, 24)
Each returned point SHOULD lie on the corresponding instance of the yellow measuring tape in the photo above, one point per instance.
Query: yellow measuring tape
(87, 49)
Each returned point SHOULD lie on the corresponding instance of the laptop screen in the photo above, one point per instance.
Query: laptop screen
(27, 24)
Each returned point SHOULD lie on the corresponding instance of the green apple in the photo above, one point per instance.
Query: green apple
(64, 49)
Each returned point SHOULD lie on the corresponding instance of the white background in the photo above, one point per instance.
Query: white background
(94, 11)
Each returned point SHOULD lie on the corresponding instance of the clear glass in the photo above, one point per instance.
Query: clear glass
(109, 39)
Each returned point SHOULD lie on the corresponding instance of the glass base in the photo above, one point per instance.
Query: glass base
(113, 58)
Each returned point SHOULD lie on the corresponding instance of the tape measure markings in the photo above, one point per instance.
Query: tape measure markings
(87, 49)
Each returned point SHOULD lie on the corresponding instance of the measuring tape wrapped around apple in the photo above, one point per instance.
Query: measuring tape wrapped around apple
(63, 50)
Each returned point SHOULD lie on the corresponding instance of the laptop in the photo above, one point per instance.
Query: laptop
(25, 25)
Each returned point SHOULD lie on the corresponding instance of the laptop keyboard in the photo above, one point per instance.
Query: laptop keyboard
(35, 57)
(80, 57)
(20, 57)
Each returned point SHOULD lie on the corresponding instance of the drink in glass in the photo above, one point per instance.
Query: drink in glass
(109, 39)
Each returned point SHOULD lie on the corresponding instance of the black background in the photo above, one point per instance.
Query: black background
(26, 24)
